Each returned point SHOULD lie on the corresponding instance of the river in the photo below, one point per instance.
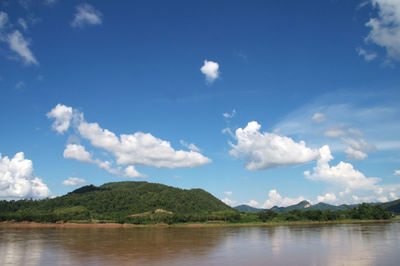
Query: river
(332, 244)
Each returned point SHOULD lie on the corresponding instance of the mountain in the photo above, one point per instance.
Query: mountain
(116, 201)
(303, 205)
(247, 208)
(392, 206)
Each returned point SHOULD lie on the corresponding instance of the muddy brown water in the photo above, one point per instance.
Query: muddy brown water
(333, 244)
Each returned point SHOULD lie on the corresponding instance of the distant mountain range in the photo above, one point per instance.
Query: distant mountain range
(393, 206)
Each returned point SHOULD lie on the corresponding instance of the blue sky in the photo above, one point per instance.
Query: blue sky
(258, 102)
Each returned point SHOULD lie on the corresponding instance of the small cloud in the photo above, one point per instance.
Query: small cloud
(190, 146)
(130, 171)
(63, 116)
(77, 152)
(318, 117)
(368, 56)
(39, 77)
(228, 193)
(253, 203)
(229, 115)
(275, 199)
(74, 181)
(86, 15)
(3, 19)
(22, 23)
(334, 133)
(397, 172)
(18, 44)
(355, 154)
(328, 197)
(210, 70)
(229, 202)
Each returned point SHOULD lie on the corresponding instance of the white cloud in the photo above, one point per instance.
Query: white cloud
(327, 198)
(228, 193)
(385, 29)
(229, 115)
(190, 146)
(128, 149)
(343, 175)
(3, 19)
(107, 166)
(86, 15)
(77, 152)
(229, 202)
(210, 70)
(334, 133)
(355, 154)
(130, 171)
(268, 150)
(74, 181)
(17, 179)
(368, 56)
(276, 200)
(140, 148)
(359, 144)
(19, 45)
(318, 117)
(22, 23)
(62, 115)
(396, 172)
(253, 203)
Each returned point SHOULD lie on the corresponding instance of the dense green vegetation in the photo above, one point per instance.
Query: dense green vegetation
(116, 202)
(149, 203)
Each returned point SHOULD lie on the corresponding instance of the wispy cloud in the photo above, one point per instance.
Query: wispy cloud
(18, 44)
(86, 15)
(385, 28)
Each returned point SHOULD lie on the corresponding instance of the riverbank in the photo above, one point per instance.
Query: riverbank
(187, 225)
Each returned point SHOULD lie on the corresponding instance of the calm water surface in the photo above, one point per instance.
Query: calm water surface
(346, 244)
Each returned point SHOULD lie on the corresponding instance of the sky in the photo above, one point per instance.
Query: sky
(257, 102)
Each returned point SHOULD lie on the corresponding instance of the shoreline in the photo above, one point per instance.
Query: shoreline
(9, 224)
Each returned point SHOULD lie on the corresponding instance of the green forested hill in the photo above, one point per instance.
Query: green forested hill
(115, 201)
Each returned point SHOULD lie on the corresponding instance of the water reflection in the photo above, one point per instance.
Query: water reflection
(353, 244)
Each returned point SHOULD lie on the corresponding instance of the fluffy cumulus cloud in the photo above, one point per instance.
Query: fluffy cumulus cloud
(131, 171)
(17, 179)
(19, 45)
(274, 199)
(253, 203)
(74, 181)
(327, 198)
(128, 149)
(86, 15)
(263, 150)
(77, 152)
(353, 154)
(228, 193)
(211, 70)
(343, 175)
(62, 117)
(385, 28)
(396, 172)
(229, 202)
